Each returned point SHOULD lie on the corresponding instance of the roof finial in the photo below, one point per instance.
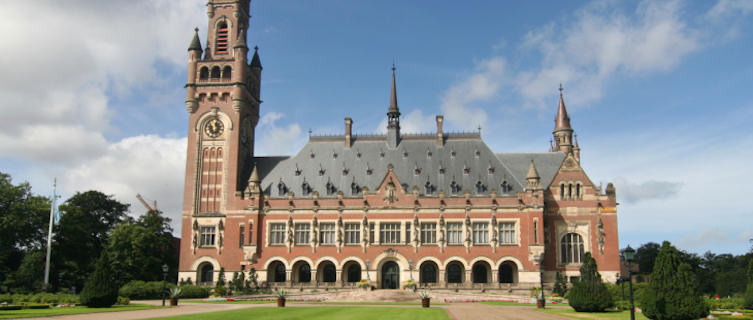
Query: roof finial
(561, 89)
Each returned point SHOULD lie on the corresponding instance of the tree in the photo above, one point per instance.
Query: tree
(672, 293)
(23, 225)
(560, 284)
(589, 294)
(87, 220)
(748, 301)
(101, 289)
(139, 248)
(645, 256)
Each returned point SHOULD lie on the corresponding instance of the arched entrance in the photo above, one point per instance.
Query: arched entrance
(390, 275)
(276, 272)
(327, 272)
(428, 272)
(352, 271)
(508, 272)
(302, 272)
(480, 272)
(455, 272)
(206, 274)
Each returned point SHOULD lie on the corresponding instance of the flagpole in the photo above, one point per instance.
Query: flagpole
(49, 236)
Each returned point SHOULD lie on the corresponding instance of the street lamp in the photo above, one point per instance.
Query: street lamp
(541, 277)
(164, 277)
(628, 254)
(367, 270)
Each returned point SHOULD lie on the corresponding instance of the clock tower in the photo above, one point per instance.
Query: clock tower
(222, 99)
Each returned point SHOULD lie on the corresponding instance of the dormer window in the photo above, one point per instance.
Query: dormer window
(305, 188)
(345, 171)
(222, 37)
(312, 156)
(441, 170)
(428, 154)
(368, 172)
(477, 153)
(281, 188)
(405, 154)
(452, 154)
(354, 189)
(331, 189)
(466, 170)
(429, 189)
(491, 170)
(506, 187)
(480, 187)
(334, 155)
(454, 187)
(416, 170)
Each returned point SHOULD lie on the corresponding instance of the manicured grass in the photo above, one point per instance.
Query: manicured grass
(324, 313)
(385, 303)
(232, 302)
(570, 313)
(54, 311)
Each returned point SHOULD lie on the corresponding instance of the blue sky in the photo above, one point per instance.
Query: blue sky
(658, 92)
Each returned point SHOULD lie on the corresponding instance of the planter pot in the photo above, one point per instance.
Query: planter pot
(425, 302)
(280, 302)
(173, 302)
(539, 303)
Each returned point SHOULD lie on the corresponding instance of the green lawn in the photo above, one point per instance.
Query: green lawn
(386, 303)
(53, 311)
(570, 313)
(230, 302)
(324, 313)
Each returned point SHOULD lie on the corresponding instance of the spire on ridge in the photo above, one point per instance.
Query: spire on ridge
(393, 95)
(561, 121)
(195, 43)
(393, 116)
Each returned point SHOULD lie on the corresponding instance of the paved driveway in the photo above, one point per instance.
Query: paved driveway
(472, 311)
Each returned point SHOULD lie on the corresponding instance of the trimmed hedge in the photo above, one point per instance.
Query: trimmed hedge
(189, 291)
(51, 298)
(142, 290)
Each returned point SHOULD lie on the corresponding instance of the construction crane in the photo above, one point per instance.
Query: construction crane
(146, 205)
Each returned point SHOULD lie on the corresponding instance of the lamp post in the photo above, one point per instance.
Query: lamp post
(628, 254)
(164, 277)
(367, 270)
(621, 283)
(541, 277)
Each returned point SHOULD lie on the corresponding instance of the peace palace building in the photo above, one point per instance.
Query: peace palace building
(441, 208)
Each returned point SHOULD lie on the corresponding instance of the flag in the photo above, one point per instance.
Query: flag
(55, 211)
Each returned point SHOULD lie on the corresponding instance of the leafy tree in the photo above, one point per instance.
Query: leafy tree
(87, 220)
(139, 248)
(101, 289)
(748, 301)
(589, 294)
(23, 225)
(646, 255)
(672, 293)
(560, 284)
(221, 278)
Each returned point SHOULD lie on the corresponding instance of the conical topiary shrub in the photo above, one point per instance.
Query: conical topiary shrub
(672, 293)
(589, 294)
(101, 289)
(748, 301)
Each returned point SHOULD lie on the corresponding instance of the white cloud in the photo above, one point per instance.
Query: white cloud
(150, 165)
(631, 192)
(274, 139)
(460, 102)
(601, 43)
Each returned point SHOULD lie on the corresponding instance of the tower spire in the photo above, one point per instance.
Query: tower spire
(563, 132)
(195, 43)
(393, 115)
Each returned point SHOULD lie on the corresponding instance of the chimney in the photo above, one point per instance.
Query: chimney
(348, 132)
(440, 134)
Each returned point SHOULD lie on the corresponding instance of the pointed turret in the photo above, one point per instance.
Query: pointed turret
(563, 133)
(532, 178)
(207, 54)
(393, 116)
(241, 43)
(253, 182)
(255, 61)
(195, 43)
(576, 149)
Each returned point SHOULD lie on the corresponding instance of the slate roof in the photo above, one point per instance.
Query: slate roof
(465, 162)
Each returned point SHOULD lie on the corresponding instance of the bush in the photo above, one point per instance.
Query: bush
(193, 291)
(589, 294)
(638, 290)
(101, 289)
(123, 301)
(51, 298)
(725, 303)
(748, 299)
(560, 285)
(672, 293)
(220, 290)
(140, 290)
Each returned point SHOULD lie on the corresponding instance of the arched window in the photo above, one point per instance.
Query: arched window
(480, 273)
(454, 273)
(562, 192)
(577, 191)
(222, 37)
(428, 272)
(206, 273)
(304, 273)
(570, 191)
(216, 73)
(329, 274)
(204, 73)
(571, 248)
(226, 73)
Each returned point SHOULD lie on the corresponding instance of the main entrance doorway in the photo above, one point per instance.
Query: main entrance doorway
(390, 275)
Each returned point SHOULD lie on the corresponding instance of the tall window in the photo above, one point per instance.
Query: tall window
(407, 232)
(571, 248)
(327, 233)
(480, 232)
(302, 233)
(241, 238)
(371, 233)
(207, 236)
(454, 233)
(222, 37)
(389, 233)
(352, 233)
(507, 233)
(211, 180)
(250, 233)
(428, 233)
(277, 233)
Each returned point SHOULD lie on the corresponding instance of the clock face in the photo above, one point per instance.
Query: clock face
(214, 128)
